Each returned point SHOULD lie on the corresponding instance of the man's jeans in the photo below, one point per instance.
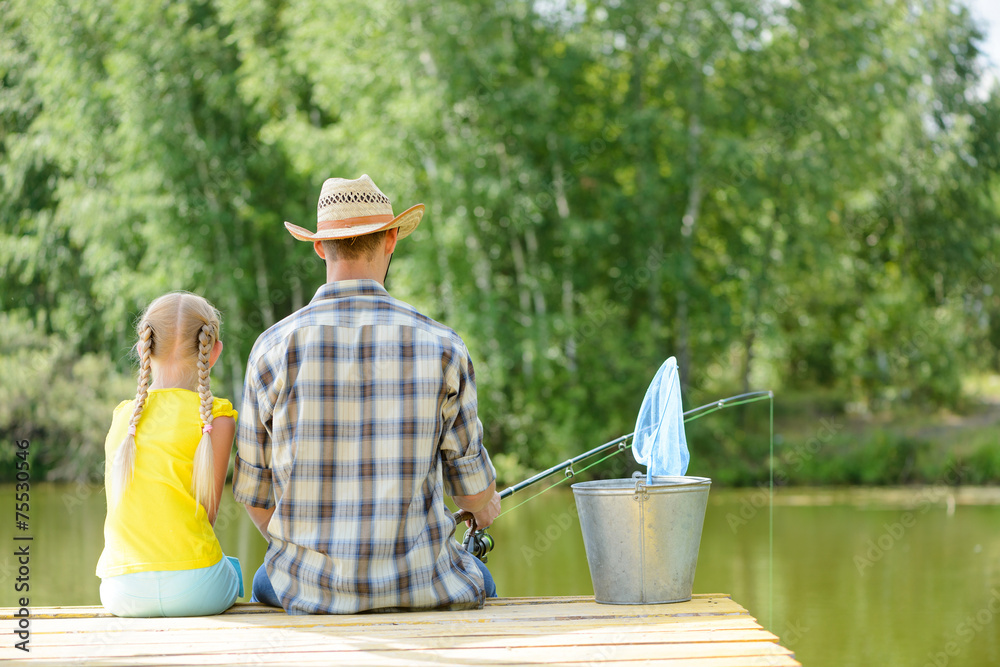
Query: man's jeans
(263, 591)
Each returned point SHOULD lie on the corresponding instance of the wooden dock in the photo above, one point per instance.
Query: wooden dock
(708, 631)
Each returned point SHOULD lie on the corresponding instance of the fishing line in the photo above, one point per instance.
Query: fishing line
(691, 415)
(770, 527)
(570, 474)
(479, 543)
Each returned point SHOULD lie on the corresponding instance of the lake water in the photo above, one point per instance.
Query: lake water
(863, 577)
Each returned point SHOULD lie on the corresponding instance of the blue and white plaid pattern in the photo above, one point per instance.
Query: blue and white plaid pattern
(358, 416)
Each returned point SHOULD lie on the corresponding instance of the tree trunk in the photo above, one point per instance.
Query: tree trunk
(537, 296)
(263, 285)
(445, 296)
(688, 225)
(756, 300)
(524, 303)
(562, 208)
(689, 221)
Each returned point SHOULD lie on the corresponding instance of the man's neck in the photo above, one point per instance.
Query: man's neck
(354, 270)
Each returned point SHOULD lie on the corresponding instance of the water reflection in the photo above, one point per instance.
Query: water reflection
(859, 577)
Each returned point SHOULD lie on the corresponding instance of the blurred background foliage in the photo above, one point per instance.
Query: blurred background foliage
(794, 196)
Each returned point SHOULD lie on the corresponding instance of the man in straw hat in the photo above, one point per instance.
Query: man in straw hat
(358, 416)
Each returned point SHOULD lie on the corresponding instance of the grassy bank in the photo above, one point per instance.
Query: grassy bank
(824, 440)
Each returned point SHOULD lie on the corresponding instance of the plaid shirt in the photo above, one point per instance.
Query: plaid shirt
(358, 416)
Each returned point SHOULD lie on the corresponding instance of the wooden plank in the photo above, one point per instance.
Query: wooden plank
(370, 653)
(241, 607)
(521, 604)
(708, 631)
(98, 611)
(332, 624)
(170, 642)
(739, 661)
(388, 655)
(490, 614)
(352, 623)
(70, 635)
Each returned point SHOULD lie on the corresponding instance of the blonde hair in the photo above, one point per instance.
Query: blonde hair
(180, 329)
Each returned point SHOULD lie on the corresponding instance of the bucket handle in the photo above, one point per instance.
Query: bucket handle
(640, 494)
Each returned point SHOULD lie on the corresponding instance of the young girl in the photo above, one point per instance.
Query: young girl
(167, 455)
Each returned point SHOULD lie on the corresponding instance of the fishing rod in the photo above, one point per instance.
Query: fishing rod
(479, 543)
(620, 442)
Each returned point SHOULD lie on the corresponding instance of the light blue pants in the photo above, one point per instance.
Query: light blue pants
(200, 592)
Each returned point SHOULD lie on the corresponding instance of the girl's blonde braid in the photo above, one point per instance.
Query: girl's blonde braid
(124, 464)
(204, 459)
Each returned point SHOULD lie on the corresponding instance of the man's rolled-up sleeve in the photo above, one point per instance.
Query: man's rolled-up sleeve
(467, 466)
(252, 482)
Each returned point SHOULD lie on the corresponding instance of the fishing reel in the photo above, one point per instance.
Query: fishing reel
(477, 541)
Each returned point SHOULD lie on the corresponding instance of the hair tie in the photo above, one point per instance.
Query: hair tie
(207, 428)
(131, 429)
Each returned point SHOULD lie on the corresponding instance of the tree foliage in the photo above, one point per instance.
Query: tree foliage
(782, 195)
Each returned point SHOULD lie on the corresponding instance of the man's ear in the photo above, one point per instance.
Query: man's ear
(318, 247)
(391, 237)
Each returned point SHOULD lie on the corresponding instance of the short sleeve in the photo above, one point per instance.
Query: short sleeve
(222, 407)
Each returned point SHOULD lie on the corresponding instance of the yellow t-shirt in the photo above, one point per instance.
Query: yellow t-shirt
(158, 525)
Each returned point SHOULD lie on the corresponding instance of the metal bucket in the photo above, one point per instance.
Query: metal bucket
(642, 539)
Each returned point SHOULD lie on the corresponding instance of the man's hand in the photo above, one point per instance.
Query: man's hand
(484, 506)
(488, 514)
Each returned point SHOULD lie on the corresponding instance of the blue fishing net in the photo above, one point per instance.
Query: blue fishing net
(659, 442)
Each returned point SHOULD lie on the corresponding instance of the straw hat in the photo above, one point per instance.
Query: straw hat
(349, 208)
